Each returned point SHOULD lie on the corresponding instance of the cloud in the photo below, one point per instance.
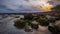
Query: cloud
(56, 2)
(15, 4)
(19, 5)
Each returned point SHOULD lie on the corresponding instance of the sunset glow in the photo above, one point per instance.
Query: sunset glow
(44, 5)
(47, 8)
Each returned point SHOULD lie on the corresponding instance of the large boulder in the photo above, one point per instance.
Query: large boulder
(54, 27)
(19, 23)
(43, 21)
(34, 25)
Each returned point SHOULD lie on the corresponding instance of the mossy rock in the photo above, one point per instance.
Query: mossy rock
(19, 24)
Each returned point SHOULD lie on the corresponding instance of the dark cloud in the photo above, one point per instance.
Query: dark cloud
(2, 6)
(27, 0)
(16, 6)
(20, 5)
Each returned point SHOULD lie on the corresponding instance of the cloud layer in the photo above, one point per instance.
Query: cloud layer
(20, 5)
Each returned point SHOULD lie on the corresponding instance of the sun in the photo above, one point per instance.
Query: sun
(42, 4)
(47, 7)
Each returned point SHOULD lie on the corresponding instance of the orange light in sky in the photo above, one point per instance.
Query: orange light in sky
(44, 5)
(47, 8)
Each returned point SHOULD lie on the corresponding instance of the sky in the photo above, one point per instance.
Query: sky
(20, 6)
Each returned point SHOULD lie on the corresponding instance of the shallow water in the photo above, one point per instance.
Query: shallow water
(7, 27)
